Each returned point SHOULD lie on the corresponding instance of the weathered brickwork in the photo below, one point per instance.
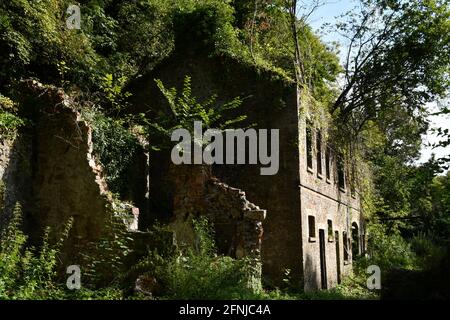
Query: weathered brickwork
(335, 210)
(304, 221)
(271, 103)
(54, 173)
(237, 222)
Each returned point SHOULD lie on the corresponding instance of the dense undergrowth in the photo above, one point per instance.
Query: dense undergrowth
(189, 273)
(196, 272)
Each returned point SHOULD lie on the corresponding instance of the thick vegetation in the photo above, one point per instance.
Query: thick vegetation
(397, 61)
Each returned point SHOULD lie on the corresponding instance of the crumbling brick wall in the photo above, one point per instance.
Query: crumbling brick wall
(229, 206)
(66, 180)
(237, 222)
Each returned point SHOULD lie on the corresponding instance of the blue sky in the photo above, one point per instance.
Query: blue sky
(329, 11)
(327, 14)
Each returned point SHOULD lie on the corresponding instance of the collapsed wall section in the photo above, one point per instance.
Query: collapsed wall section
(238, 223)
(66, 179)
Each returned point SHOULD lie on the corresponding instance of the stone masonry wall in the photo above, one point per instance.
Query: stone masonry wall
(322, 199)
(67, 181)
(238, 223)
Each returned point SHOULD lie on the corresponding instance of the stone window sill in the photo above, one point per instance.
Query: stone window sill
(330, 240)
(310, 170)
(312, 239)
(319, 175)
(328, 180)
(346, 263)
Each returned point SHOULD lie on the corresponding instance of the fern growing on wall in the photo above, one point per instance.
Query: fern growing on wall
(185, 108)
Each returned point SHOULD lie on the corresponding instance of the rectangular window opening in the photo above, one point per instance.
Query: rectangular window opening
(353, 182)
(309, 150)
(319, 153)
(312, 228)
(341, 173)
(330, 230)
(327, 163)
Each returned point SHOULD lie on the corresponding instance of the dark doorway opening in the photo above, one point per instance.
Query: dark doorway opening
(338, 257)
(323, 264)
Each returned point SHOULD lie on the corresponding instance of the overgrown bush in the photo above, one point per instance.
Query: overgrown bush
(388, 249)
(9, 120)
(115, 147)
(31, 273)
(185, 108)
(25, 272)
(104, 260)
(34, 39)
(429, 254)
(198, 272)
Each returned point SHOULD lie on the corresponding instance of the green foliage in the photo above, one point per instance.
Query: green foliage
(113, 90)
(402, 64)
(428, 253)
(388, 249)
(146, 35)
(207, 23)
(397, 60)
(199, 273)
(131, 37)
(443, 134)
(412, 198)
(104, 259)
(9, 123)
(353, 287)
(9, 120)
(31, 273)
(115, 147)
(108, 293)
(185, 109)
(24, 272)
(266, 29)
(34, 38)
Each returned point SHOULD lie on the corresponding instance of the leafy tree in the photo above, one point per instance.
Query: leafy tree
(397, 57)
(277, 33)
(33, 38)
(444, 135)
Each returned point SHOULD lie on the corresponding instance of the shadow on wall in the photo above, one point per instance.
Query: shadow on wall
(161, 190)
(311, 275)
(15, 176)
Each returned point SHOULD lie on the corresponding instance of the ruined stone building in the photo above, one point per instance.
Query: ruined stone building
(313, 224)
(305, 222)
